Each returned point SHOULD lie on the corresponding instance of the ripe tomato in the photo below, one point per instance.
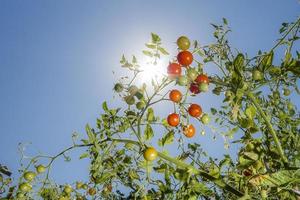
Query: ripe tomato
(194, 88)
(150, 154)
(183, 43)
(203, 87)
(92, 191)
(173, 119)
(175, 96)
(25, 187)
(174, 70)
(182, 80)
(202, 78)
(189, 131)
(29, 176)
(195, 110)
(40, 169)
(205, 119)
(185, 58)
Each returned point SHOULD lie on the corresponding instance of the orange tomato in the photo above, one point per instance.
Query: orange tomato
(189, 131)
(195, 110)
(173, 119)
(175, 96)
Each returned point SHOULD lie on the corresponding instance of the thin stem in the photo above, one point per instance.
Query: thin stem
(269, 126)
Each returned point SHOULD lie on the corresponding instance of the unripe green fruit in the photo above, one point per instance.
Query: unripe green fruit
(203, 87)
(40, 169)
(68, 189)
(129, 100)
(249, 147)
(140, 105)
(183, 43)
(192, 73)
(133, 89)
(29, 176)
(182, 81)
(25, 187)
(286, 92)
(118, 87)
(205, 119)
(257, 75)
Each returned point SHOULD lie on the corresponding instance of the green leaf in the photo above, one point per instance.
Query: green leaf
(225, 21)
(276, 179)
(163, 51)
(148, 132)
(155, 38)
(151, 46)
(104, 106)
(91, 135)
(134, 60)
(148, 53)
(213, 111)
(150, 115)
(250, 112)
(123, 60)
(168, 138)
(238, 63)
(202, 189)
(84, 155)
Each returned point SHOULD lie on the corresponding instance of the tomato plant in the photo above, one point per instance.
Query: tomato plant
(255, 115)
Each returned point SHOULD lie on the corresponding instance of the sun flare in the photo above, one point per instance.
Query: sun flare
(151, 71)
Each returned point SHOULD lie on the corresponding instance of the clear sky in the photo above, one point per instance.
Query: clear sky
(57, 58)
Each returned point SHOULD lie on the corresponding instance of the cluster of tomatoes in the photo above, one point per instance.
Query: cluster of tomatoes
(195, 81)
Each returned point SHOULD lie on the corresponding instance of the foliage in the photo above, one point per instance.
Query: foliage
(255, 93)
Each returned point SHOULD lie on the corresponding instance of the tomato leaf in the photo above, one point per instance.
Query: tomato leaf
(148, 132)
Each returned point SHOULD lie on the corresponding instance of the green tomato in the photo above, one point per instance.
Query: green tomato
(118, 87)
(257, 75)
(40, 169)
(203, 87)
(140, 105)
(286, 92)
(85, 186)
(276, 95)
(20, 195)
(183, 43)
(182, 81)
(264, 194)
(129, 100)
(79, 185)
(192, 73)
(249, 147)
(25, 187)
(133, 89)
(29, 176)
(290, 106)
(205, 119)
(68, 189)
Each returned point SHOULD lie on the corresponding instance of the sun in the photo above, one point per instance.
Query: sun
(151, 71)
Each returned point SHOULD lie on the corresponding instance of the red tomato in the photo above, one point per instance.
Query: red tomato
(174, 70)
(194, 88)
(185, 58)
(202, 78)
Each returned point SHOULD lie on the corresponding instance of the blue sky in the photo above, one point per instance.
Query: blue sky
(57, 58)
